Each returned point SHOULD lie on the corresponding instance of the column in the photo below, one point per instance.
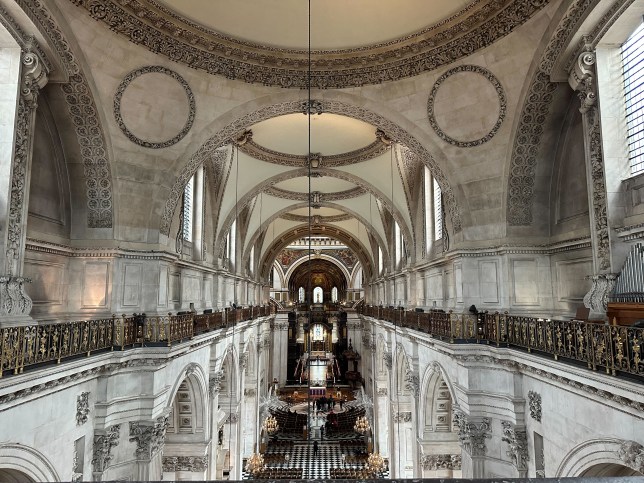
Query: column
(472, 435)
(214, 385)
(583, 80)
(149, 437)
(15, 178)
(280, 348)
(197, 222)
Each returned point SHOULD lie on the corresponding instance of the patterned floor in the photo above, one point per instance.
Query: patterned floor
(316, 467)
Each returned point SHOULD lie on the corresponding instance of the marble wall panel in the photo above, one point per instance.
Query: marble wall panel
(96, 284)
(489, 281)
(571, 279)
(524, 279)
(131, 284)
(47, 281)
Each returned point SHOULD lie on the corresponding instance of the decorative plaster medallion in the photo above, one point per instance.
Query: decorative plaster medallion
(478, 98)
(149, 97)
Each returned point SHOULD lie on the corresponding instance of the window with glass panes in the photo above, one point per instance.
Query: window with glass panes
(633, 64)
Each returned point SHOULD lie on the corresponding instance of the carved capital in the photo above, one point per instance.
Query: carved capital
(13, 297)
(149, 437)
(472, 435)
(518, 445)
(104, 441)
(582, 80)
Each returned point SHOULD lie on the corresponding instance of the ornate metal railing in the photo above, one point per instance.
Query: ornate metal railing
(35, 345)
(612, 348)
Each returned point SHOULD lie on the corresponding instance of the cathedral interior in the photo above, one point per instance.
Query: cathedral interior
(321, 239)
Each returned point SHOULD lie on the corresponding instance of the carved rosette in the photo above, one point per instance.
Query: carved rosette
(196, 464)
(149, 438)
(472, 435)
(518, 445)
(434, 462)
(534, 401)
(104, 441)
(632, 454)
(82, 408)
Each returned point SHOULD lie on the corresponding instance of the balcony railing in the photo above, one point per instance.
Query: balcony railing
(35, 345)
(615, 349)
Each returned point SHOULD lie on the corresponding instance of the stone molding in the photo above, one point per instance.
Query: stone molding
(232, 130)
(321, 198)
(503, 105)
(435, 462)
(195, 464)
(104, 442)
(159, 70)
(316, 219)
(149, 437)
(82, 408)
(247, 146)
(162, 31)
(518, 445)
(534, 403)
(472, 435)
(632, 454)
(84, 116)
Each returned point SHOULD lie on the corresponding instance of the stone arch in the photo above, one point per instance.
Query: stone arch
(229, 125)
(230, 374)
(322, 256)
(24, 460)
(94, 148)
(597, 455)
(437, 402)
(188, 402)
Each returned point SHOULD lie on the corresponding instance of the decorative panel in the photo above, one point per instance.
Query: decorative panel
(96, 284)
(489, 282)
(47, 280)
(131, 285)
(571, 279)
(525, 287)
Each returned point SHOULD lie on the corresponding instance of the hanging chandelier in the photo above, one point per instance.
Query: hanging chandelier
(375, 465)
(255, 463)
(362, 425)
(270, 425)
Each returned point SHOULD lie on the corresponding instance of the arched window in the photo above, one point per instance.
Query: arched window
(433, 204)
(232, 242)
(438, 212)
(251, 265)
(318, 295)
(633, 65)
(300, 296)
(398, 241)
(334, 295)
(380, 267)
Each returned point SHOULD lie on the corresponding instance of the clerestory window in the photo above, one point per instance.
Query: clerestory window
(633, 65)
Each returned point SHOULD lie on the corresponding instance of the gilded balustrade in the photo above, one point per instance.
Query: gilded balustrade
(22, 347)
(611, 348)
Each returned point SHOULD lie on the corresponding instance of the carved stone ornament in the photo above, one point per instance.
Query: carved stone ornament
(632, 454)
(128, 80)
(402, 417)
(597, 297)
(77, 474)
(82, 408)
(149, 437)
(388, 360)
(250, 392)
(13, 297)
(104, 441)
(214, 384)
(382, 391)
(518, 445)
(434, 462)
(534, 401)
(191, 369)
(155, 27)
(196, 464)
(412, 383)
(503, 105)
(232, 418)
(472, 435)
(243, 360)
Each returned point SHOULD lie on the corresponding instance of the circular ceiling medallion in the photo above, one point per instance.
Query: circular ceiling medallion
(467, 100)
(150, 105)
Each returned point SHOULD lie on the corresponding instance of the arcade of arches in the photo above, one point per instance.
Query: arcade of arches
(216, 263)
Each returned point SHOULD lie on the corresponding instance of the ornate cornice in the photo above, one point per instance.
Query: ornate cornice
(185, 463)
(146, 23)
(322, 198)
(317, 220)
(254, 150)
